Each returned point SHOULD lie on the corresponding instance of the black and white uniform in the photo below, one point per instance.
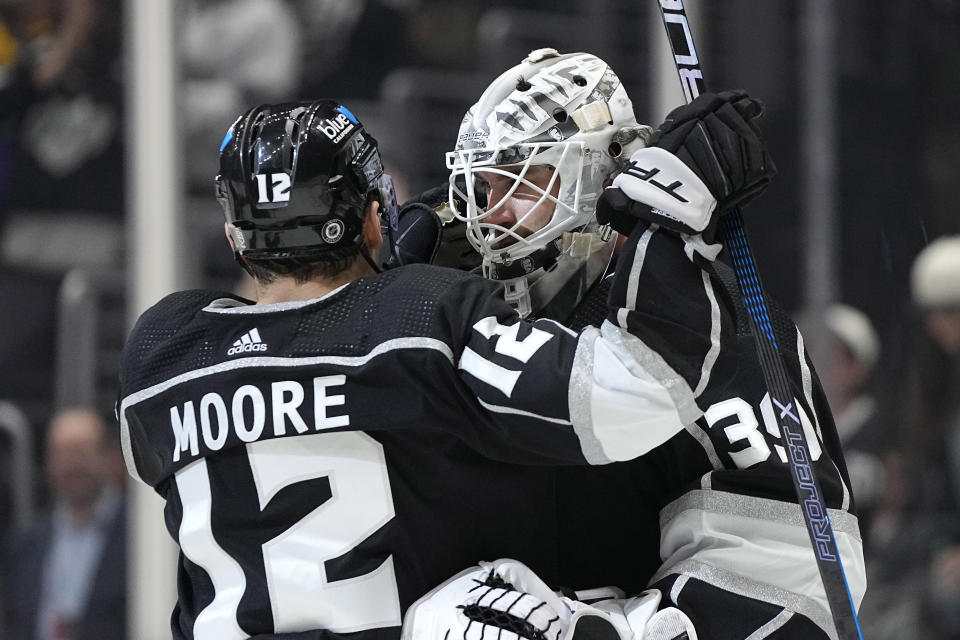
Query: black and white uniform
(325, 463)
(716, 499)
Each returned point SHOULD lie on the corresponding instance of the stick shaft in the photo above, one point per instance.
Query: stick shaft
(806, 485)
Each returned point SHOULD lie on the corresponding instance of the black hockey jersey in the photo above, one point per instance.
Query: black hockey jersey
(716, 499)
(325, 463)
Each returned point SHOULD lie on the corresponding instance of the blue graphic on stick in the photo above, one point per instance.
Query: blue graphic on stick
(748, 278)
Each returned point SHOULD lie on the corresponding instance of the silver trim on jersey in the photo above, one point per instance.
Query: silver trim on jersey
(706, 480)
(264, 361)
(765, 509)
(653, 362)
(703, 438)
(677, 587)
(559, 326)
(633, 282)
(737, 542)
(234, 306)
(740, 585)
(520, 412)
(578, 397)
(775, 623)
(711, 358)
(807, 377)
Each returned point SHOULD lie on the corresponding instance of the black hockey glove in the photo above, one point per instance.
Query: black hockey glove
(455, 251)
(706, 158)
(717, 136)
(416, 239)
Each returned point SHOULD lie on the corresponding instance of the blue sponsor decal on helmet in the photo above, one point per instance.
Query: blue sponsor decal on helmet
(226, 140)
(342, 109)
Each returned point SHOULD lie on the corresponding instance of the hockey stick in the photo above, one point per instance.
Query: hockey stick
(809, 494)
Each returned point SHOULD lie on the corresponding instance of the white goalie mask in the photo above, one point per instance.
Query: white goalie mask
(532, 157)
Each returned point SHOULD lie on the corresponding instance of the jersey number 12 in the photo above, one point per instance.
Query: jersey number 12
(301, 595)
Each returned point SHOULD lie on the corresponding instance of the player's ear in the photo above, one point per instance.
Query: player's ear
(371, 227)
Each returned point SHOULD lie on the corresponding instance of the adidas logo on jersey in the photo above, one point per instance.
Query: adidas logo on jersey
(248, 342)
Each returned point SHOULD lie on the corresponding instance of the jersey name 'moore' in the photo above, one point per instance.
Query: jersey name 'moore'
(247, 411)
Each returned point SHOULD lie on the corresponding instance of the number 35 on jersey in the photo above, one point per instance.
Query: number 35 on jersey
(738, 421)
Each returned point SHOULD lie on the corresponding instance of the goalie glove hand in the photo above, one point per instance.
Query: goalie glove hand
(504, 600)
(706, 158)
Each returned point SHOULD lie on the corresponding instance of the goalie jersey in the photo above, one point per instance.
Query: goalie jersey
(325, 463)
(710, 517)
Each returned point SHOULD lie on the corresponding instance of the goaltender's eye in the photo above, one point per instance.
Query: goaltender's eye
(481, 187)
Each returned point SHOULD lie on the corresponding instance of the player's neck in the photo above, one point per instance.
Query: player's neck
(285, 289)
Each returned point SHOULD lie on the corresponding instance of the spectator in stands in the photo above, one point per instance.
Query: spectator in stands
(934, 405)
(65, 576)
(854, 353)
(932, 382)
(65, 101)
(351, 39)
(914, 546)
(234, 53)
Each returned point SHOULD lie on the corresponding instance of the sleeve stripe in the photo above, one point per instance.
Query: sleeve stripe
(520, 412)
(775, 623)
(807, 378)
(703, 439)
(652, 362)
(559, 326)
(633, 282)
(578, 398)
(711, 358)
(756, 547)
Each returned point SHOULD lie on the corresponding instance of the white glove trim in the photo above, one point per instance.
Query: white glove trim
(658, 178)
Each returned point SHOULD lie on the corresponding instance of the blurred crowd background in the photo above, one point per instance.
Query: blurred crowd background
(888, 345)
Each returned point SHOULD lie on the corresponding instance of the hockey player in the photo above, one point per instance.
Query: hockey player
(532, 158)
(335, 448)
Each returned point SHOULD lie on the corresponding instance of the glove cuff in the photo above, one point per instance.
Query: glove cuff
(658, 178)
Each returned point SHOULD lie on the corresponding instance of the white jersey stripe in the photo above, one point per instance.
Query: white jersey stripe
(778, 621)
(807, 381)
(711, 358)
(736, 583)
(633, 284)
(520, 412)
(677, 587)
(756, 547)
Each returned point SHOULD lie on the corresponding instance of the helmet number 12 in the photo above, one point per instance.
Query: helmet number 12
(273, 187)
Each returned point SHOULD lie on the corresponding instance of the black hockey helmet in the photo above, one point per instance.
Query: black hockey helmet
(295, 178)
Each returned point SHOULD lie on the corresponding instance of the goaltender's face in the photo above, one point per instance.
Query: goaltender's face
(522, 212)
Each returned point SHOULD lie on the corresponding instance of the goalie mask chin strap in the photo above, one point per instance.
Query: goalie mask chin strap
(542, 258)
